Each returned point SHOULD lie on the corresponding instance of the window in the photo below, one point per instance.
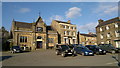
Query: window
(40, 29)
(64, 32)
(101, 36)
(102, 42)
(64, 26)
(108, 42)
(51, 40)
(65, 40)
(73, 41)
(74, 33)
(117, 44)
(100, 29)
(107, 27)
(69, 27)
(108, 35)
(23, 39)
(75, 27)
(117, 34)
(116, 25)
(68, 32)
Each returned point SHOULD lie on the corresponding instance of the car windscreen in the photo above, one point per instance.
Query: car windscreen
(110, 45)
(85, 48)
(64, 47)
(16, 47)
(97, 47)
(80, 45)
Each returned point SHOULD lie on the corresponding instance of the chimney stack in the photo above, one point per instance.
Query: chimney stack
(69, 21)
(100, 21)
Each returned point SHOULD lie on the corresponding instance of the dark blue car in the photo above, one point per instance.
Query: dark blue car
(83, 51)
(96, 49)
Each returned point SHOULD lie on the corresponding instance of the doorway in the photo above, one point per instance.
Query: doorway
(69, 41)
(39, 44)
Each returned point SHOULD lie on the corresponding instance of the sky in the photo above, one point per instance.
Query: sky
(84, 15)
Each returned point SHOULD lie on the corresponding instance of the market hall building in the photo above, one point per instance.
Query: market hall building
(33, 35)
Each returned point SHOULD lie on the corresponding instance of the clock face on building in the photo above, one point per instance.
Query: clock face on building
(40, 29)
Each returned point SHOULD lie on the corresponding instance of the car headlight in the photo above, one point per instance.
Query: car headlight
(66, 51)
(100, 50)
(14, 49)
(104, 51)
(86, 52)
(72, 50)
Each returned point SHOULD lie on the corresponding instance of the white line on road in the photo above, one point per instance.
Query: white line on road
(111, 63)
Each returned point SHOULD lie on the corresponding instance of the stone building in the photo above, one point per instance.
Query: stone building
(33, 35)
(87, 39)
(108, 31)
(66, 32)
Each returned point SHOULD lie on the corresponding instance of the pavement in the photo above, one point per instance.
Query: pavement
(48, 57)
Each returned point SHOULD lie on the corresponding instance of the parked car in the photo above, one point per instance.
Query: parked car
(64, 50)
(96, 49)
(16, 49)
(82, 50)
(25, 49)
(75, 45)
(109, 48)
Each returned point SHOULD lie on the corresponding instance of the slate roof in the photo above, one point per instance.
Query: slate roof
(49, 28)
(108, 21)
(89, 35)
(62, 22)
(23, 24)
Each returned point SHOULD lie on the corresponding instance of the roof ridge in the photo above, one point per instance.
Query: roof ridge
(23, 22)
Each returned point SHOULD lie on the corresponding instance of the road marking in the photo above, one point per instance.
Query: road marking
(111, 63)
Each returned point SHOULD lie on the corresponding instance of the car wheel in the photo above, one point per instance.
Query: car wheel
(57, 52)
(75, 53)
(113, 52)
(97, 53)
(118, 51)
(63, 54)
(104, 53)
(82, 54)
(12, 51)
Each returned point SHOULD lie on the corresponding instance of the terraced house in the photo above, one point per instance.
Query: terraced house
(33, 35)
(108, 32)
(87, 39)
(66, 32)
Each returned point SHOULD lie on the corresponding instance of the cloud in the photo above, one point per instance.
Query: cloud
(112, 9)
(89, 26)
(73, 12)
(24, 10)
(56, 17)
(106, 8)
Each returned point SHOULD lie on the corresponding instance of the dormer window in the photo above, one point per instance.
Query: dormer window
(40, 29)
(107, 27)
